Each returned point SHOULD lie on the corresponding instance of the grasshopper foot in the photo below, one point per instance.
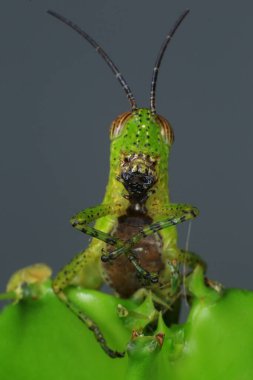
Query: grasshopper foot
(143, 273)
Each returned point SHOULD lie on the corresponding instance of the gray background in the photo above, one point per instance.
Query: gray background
(58, 99)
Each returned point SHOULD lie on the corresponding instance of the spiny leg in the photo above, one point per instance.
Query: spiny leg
(81, 221)
(175, 214)
(143, 273)
(91, 326)
(63, 279)
(85, 262)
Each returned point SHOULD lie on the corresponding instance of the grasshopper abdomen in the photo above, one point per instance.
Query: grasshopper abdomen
(120, 273)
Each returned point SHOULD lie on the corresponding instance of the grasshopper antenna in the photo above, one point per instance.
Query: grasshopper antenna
(102, 53)
(160, 57)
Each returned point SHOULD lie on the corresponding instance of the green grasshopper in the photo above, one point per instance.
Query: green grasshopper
(134, 243)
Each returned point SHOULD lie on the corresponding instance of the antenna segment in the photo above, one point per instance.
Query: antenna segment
(102, 53)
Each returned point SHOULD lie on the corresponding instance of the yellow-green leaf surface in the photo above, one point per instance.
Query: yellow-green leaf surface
(41, 339)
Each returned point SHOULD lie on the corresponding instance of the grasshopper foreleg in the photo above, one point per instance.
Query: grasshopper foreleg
(81, 222)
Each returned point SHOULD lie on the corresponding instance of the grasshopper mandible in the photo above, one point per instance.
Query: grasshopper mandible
(134, 243)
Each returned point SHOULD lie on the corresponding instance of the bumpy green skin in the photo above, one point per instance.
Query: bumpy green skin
(41, 339)
(140, 133)
(144, 139)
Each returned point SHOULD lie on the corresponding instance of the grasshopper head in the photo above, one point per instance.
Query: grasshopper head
(141, 140)
(144, 124)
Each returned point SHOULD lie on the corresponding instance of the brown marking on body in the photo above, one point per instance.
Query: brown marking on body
(120, 273)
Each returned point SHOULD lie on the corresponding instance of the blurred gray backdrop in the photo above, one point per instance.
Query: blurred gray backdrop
(58, 99)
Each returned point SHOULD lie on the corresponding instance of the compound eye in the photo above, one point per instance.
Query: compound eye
(118, 124)
(166, 130)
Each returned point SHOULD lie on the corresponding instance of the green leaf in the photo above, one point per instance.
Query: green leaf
(41, 339)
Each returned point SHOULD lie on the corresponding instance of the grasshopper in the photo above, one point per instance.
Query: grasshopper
(134, 239)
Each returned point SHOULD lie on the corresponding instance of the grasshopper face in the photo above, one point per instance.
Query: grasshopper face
(141, 140)
(138, 175)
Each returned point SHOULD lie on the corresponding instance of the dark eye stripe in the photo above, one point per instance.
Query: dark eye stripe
(166, 129)
(118, 123)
